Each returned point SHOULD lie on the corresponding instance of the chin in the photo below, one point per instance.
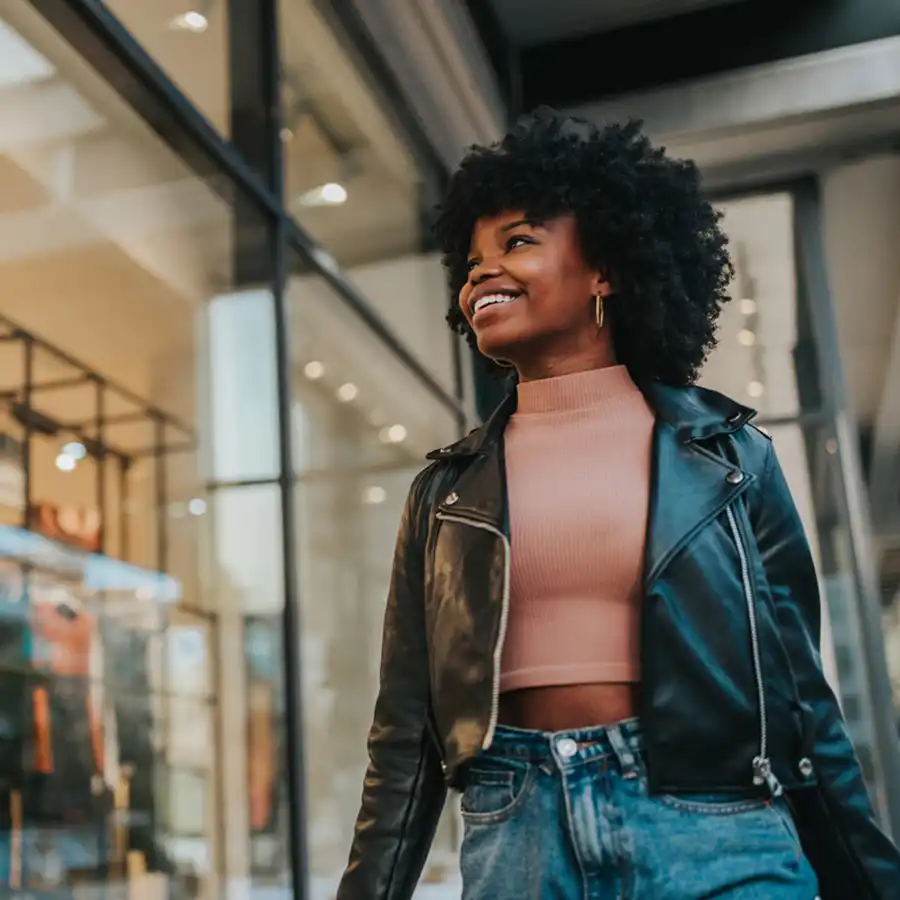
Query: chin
(496, 345)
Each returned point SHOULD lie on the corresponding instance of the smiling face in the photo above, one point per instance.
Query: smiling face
(530, 296)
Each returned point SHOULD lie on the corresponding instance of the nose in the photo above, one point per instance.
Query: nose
(484, 271)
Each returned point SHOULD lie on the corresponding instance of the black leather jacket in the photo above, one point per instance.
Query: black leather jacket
(733, 691)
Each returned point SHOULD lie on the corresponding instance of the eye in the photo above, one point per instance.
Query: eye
(516, 240)
(470, 264)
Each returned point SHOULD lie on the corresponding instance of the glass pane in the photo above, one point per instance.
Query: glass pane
(111, 647)
(361, 427)
(351, 180)
(353, 184)
(808, 457)
(189, 40)
(761, 331)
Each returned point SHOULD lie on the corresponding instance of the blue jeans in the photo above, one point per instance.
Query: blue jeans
(568, 815)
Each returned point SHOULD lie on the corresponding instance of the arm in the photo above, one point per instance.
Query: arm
(792, 578)
(404, 790)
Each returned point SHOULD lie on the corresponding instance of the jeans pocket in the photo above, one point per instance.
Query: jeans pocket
(494, 790)
(713, 804)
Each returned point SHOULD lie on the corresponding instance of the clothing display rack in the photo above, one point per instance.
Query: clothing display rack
(27, 401)
(83, 634)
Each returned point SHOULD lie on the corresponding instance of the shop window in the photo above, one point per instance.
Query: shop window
(351, 181)
(123, 590)
(188, 39)
(361, 427)
(764, 358)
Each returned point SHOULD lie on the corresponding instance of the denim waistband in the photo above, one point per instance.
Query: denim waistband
(619, 740)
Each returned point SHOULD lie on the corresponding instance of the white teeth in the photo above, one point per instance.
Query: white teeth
(492, 298)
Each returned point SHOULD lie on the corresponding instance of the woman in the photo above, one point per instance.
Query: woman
(603, 623)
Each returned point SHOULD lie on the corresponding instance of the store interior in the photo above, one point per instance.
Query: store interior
(350, 177)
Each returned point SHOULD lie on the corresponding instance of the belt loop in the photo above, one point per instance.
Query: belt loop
(620, 746)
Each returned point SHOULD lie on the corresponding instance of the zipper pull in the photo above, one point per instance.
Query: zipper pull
(763, 774)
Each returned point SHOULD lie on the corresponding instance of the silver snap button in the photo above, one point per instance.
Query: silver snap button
(734, 477)
(446, 449)
(566, 748)
(805, 767)
(451, 498)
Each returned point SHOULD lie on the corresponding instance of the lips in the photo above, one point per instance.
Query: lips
(493, 298)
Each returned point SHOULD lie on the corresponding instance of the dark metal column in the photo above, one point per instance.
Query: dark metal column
(260, 257)
(852, 497)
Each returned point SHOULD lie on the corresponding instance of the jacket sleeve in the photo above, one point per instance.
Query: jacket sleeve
(792, 578)
(404, 789)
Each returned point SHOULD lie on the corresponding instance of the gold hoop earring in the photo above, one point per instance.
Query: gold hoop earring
(598, 310)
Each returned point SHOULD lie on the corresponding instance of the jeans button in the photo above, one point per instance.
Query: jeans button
(566, 748)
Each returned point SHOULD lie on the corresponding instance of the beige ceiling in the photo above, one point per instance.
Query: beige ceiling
(381, 215)
(109, 246)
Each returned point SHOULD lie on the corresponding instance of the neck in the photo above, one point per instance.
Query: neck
(597, 355)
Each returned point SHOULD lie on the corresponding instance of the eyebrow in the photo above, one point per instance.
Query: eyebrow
(511, 225)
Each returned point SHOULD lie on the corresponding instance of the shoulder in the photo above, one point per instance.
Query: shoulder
(430, 486)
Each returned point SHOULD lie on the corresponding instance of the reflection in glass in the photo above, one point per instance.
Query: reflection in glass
(110, 640)
(350, 179)
(188, 39)
(761, 330)
(355, 454)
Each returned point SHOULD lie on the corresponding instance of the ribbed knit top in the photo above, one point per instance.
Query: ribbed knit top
(578, 481)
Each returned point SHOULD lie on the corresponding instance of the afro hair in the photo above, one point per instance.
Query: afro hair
(642, 221)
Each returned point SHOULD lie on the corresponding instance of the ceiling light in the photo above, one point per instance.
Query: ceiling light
(746, 337)
(197, 506)
(394, 434)
(75, 449)
(314, 370)
(65, 463)
(374, 495)
(330, 194)
(347, 392)
(755, 389)
(748, 306)
(192, 21)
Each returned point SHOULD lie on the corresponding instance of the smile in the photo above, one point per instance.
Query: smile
(492, 300)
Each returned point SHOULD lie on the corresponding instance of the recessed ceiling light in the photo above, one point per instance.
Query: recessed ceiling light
(755, 389)
(347, 392)
(374, 495)
(394, 434)
(75, 449)
(192, 21)
(748, 306)
(65, 463)
(746, 337)
(330, 194)
(197, 506)
(313, 370)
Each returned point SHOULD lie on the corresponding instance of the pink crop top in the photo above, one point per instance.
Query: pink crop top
(578, 481)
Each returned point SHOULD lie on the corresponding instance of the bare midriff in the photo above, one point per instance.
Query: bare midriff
(567, 707)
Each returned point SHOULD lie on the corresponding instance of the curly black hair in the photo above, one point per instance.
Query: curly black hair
(642, 221)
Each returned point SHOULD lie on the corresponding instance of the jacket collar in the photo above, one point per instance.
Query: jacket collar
(694, 414)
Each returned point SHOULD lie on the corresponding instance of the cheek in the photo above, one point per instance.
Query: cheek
(462, 300)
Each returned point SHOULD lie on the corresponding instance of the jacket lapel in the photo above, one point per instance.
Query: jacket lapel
(689, 486)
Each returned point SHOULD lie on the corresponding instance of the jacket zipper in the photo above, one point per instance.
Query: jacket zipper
(762, 765)
(504, 616)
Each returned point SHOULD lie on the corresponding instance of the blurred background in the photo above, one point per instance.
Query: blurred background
(223, 357)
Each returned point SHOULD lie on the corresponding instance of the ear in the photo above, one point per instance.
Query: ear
(600, 286)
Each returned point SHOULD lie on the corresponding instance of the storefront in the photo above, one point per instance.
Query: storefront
(222, 357)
